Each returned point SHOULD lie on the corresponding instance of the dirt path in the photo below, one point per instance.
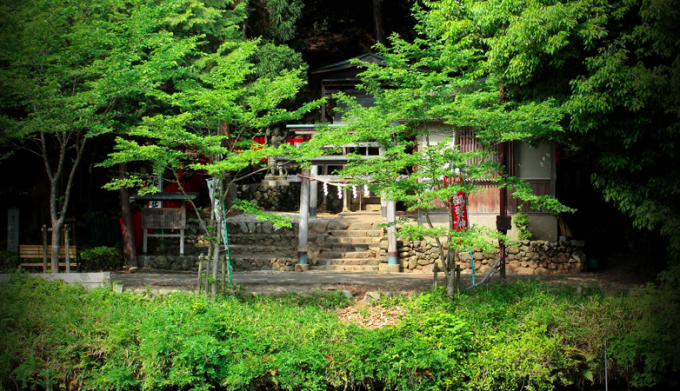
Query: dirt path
(620, 277)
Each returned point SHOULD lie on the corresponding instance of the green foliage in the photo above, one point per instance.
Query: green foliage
(101, 259)
(502, 337)
(9, 260)
(273, 19)
(248, 207)
(427, 93)
(609, 68)
(521, 222)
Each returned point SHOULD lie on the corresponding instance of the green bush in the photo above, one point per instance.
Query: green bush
(9, 260)
(521, 221)
(520, 335)
(101, 258)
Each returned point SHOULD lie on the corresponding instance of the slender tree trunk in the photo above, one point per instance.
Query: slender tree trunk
(57, 213)
(216, 261)
(129, 249)
(56, 241)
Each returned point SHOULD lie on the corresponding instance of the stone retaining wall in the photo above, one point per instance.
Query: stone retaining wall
(530, 257)
(258, 245)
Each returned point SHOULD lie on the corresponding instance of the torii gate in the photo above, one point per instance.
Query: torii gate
(308, 179)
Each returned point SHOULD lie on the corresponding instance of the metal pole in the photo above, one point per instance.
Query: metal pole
(304, 222)
(313, 193)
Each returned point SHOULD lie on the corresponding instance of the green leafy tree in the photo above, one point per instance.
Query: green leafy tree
(218, 100)
(68, 69)
(437, 85)
(613, 69)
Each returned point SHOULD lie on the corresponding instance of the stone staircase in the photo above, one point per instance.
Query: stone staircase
(349, 247)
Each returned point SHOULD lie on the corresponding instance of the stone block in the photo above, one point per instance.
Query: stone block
(412, 263)
(579, 256)
(319, 226)
(337, 225)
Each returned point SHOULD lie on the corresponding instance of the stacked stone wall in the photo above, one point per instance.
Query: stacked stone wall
(534, 257)
(256, 245)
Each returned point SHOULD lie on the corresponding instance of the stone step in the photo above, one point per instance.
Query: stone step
(349, 261)
(374, 233)
(352, 240)
(347, 254)
(346, 268)
(257, 249)
(351, 247)
(363, 226)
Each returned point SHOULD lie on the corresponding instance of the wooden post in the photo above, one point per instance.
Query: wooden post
(44, 230)
(304, 222)
(66, 247)
(146, 233)
(313, 193)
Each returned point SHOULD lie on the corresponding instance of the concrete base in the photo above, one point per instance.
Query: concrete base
(392, 268)
(88, 280)
(301, 268)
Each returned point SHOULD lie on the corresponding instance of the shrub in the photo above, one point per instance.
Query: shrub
(509, 337)
(9, 260)
(521, 221)
(101, 258)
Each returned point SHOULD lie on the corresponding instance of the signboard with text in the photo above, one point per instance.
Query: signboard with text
(164, 218)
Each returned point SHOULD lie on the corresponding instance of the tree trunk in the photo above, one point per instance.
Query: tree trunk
(56, 241)
(216, 261)
(451, 283)
(378, 21)
(129, 248)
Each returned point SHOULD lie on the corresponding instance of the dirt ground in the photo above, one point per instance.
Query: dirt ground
(616, 273)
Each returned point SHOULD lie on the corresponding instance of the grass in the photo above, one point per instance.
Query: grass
(520, 335)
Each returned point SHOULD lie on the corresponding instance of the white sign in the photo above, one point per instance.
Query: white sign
(158, 184)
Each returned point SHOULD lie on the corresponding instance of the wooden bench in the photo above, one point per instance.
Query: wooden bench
(28, 251)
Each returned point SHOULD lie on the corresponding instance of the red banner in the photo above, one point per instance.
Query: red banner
(458, 205)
